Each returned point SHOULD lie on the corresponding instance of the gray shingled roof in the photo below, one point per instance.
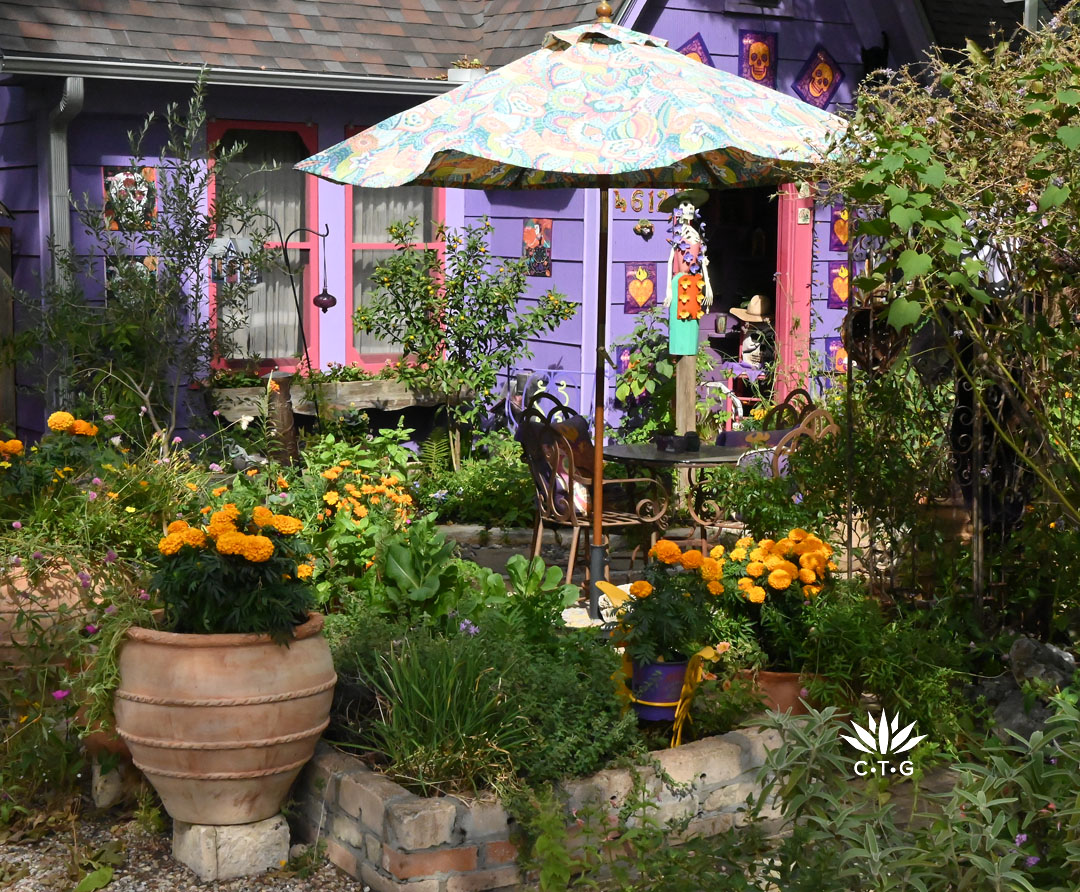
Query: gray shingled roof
(395, 38)
(954, 20)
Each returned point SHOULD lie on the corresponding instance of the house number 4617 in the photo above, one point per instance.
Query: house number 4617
(637, 200)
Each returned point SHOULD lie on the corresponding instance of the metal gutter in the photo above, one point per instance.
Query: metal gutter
(110, 69)
(70, 104)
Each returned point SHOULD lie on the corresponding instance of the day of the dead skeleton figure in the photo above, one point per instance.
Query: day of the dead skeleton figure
(689, 293)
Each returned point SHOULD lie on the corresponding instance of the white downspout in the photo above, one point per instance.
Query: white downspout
(71, 103)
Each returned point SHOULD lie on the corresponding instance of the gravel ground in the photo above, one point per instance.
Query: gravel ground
(46, 864)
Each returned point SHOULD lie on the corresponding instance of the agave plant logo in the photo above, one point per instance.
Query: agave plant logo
(886, 740)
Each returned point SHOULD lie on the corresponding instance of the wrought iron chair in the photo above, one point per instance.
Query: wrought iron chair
(558, 449)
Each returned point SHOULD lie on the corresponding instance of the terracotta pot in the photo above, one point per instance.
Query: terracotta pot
(56, 597)
(779, 691)
(222, 724)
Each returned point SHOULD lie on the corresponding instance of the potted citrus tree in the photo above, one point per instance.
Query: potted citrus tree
(222, 710)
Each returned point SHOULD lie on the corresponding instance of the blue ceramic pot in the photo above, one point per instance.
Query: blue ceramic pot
(658, 683)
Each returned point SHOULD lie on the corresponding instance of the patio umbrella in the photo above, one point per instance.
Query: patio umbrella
(597, 105)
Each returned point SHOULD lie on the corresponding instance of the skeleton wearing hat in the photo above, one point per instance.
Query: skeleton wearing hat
(689, 290)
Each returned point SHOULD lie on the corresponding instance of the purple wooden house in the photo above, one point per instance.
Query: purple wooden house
(290, 77)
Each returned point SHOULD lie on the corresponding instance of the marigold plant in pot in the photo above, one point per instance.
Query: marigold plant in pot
(670, 616)
(222, 711)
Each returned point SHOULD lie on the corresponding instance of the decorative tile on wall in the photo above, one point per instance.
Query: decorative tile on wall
(130, 195)
(695, 48)
(839, 285)
(536, 246)
(819, 78)
(640, 287)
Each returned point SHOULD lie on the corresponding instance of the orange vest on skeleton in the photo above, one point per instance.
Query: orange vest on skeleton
(690, 288)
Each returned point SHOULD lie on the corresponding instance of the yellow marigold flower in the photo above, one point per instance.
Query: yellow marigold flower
(738, 554)
(745, 584)
(717, 552)
(665, 551)
(798, 534)
(392, 480)
(779, 580)
(282, 483)
(332, 473)
(345, 463)
(807, 575)
(813, 541)
(171, 544)
(755, 569)
(60, 421)
(691, 559)
(231, 542)
(791, 569)
(218, 491)
(262, 516)
(744, 542)
(177, 526)
(755, 595)
(258, 549)
(811, 590)
(715, 588)
(772, 562)
(193, 537)
(251, 472)
(230, 510)
(287, 526)
(758, 554)
(767, 544)
(784, 546)
(832, 566)
(813, 561)
(13, 447)
(331, 498)
(640, 589)
(710, 569)
(304, 571)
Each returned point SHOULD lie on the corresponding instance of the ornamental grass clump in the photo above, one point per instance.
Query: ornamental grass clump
(241, 572)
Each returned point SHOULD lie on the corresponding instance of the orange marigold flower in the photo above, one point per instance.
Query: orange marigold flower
(12, 447)
(192, 487)
(331, 498)
(807, 575)
(82, 428)
(691, 559)
(811, 590)
(231, 542)
(798, 534)
(219, 491)
(332, 473)
(287, 526)
(744, 542)
(258, 549)
(772, 562)
(113, 495)
(755, 569)
(666, 552)
(193, 537)
(345, 463)
(717, 552)
(767, 544)
(205, 510)
(832, 566)
(60, 421)
(171, 544)
(784, 546)
(758, 554)
(282, 483)
(177, 526)
(812, 561)
(779, 580)
(710, 569)
(304, 571)
(756, 595)
(745, 583)
(361, 511)
(715, 588)
(144, 483)
(262, 515)
(230, 510)
(273, 386)
(640, 589)
(251, 472)
(738, 554)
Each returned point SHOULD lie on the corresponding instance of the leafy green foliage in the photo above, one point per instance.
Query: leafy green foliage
(458, 316)
(533, 607)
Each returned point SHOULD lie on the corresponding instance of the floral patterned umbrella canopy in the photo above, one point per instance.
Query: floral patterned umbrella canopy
(597, 105)
(595, 101)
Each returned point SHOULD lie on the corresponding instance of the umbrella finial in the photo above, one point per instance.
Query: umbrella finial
(603, 11)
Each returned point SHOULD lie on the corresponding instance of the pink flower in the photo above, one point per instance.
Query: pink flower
(91, 495)
(110, 557)
(216, 413)
(108, 418)
(96, 481)
(38, 556)
(15, 525)
(144, 595)
(804, 693)
(60, 695)
(177, 440)
(110, 610)
(91, 628)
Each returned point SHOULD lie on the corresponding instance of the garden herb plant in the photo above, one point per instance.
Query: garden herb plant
(458, 316)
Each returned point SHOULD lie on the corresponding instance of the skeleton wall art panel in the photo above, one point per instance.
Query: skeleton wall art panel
(819, 78)
(757, 57)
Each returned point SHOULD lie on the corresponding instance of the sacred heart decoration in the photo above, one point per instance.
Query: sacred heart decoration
(640, 287)
(839, 229)
(839, 285)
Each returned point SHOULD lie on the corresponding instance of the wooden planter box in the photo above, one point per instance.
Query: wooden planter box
(235, 402)
(389, 838)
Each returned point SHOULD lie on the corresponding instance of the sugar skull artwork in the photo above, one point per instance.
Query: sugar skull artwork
(839, 285)
(757, 57)
(536, 247)
(130, 197)
(640, 287)
(695, 48)
(836, 357)
(819, 78)
(839, 228)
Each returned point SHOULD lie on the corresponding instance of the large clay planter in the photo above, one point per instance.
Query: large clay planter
(222, 724)
(779, 691)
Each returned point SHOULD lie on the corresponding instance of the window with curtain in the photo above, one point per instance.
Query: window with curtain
(264, 169)
(373, 210)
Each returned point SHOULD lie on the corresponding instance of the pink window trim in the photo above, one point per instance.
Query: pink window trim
(794, 287)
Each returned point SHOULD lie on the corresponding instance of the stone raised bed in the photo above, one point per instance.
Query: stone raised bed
(395, 841)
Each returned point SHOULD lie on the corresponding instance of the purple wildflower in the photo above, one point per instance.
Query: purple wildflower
(144, 595)
(468, 628)
(91, 495)
(91, 628)
(16, 561)
(38, 556)
(1031, 860)
(110, 557)
(15, 525)
(96, 481)
(110, 610)
(215, 467)
(108, 418)
(84, 579)
(804, 693)
(1021, 838)
(60, 695)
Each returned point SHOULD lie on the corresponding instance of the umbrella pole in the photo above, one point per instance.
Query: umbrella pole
(598, 551)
